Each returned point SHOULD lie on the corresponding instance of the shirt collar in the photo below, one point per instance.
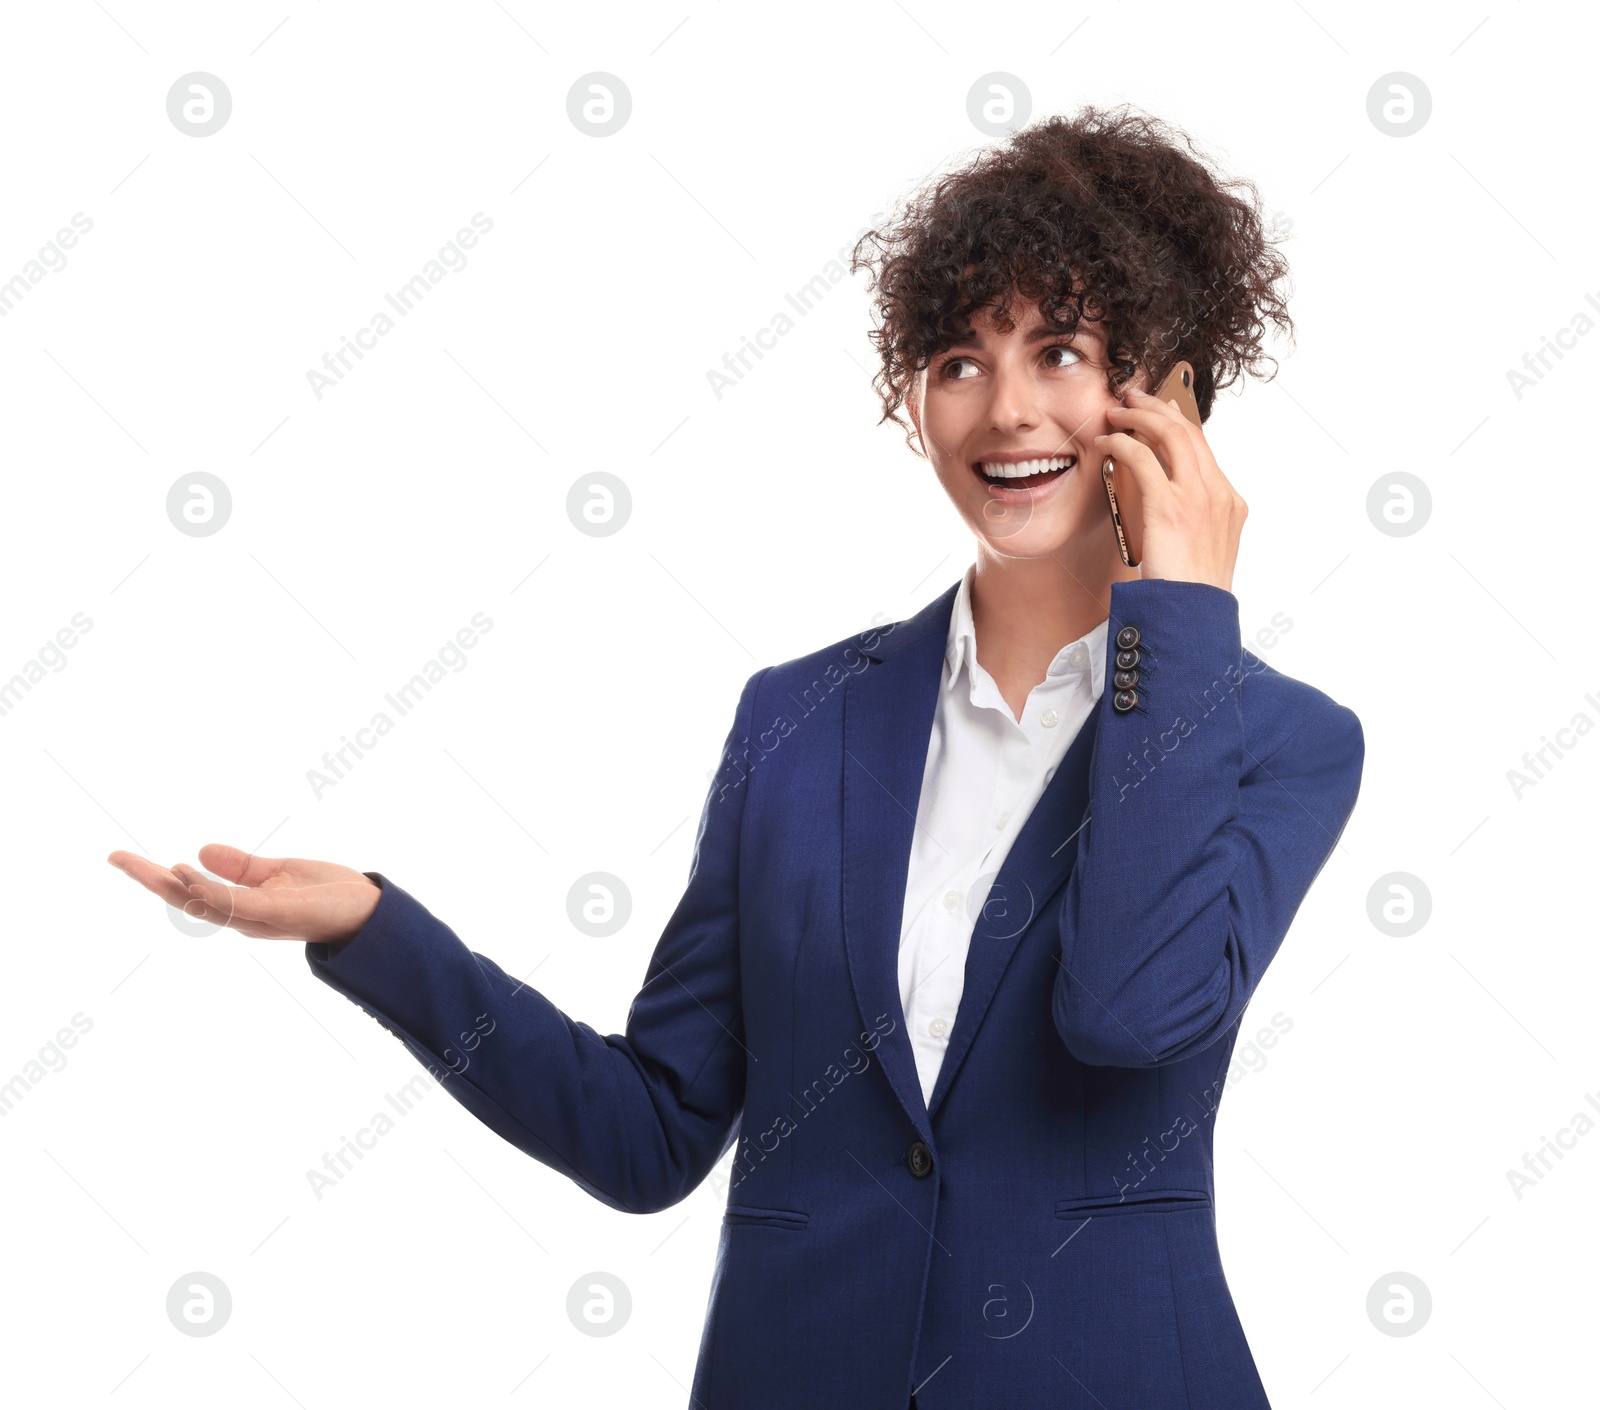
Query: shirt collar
(961, 649)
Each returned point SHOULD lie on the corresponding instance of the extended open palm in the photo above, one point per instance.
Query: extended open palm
(271, 898)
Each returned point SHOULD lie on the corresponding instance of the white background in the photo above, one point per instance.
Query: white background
(370, 525)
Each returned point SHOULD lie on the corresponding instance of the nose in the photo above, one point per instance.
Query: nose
(1014, 401)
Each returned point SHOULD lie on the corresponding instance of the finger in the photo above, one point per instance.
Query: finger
(197, 909)
(1171, 441)
(1167, 406)
(160, 880)
(217, 904)
(1205, 462)
(1138, 460)
(250, 905)
(199, 902)
(195, 881)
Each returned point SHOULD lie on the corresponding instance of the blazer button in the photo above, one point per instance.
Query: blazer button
(1128, 637)
(1127, 660)
(1125, 700)
(920, 1159)
(1125, 680)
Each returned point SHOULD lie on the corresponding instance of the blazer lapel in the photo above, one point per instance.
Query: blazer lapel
(1024, 890)
(888, 720)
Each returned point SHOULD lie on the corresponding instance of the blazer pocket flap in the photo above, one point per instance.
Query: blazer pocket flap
(758, 1214)
(1132, 1202)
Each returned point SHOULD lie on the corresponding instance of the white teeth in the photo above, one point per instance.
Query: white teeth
(1027, 467)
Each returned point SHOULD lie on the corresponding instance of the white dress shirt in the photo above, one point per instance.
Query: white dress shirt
(985, 771)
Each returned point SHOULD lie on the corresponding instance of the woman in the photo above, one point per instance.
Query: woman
(969, 936)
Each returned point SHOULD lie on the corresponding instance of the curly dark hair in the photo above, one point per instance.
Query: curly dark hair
(1100, 215)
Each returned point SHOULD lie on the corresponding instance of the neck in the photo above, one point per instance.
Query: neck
(1024, 610)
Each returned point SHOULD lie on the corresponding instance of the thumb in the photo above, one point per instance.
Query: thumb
(241, 868)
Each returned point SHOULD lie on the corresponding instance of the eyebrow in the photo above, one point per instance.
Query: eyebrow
(1038, 335)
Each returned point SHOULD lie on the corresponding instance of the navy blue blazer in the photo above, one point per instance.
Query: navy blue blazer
(1042, 1231)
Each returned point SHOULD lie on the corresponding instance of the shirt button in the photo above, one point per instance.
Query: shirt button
(1002, 820)
(1078, 656)
(939, 1027)
(952, 900)
(1050, 719)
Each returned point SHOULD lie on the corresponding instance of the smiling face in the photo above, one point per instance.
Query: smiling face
(1008, 421)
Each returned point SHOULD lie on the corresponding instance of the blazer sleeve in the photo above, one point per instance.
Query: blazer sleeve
(1196, 854)
(637, 1119)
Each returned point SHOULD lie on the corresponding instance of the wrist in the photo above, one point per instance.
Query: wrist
(1187, 573)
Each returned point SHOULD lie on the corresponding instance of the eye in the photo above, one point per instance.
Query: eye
(1072, 355)
(945, 368)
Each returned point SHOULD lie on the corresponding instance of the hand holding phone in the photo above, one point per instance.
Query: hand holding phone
(1122, 492)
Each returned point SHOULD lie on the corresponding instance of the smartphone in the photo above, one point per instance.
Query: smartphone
(1127, 518)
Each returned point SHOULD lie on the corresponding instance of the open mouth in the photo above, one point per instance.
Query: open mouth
(1024, 474)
